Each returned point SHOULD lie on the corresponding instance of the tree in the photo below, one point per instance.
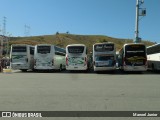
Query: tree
(57, 33)
(67, 32)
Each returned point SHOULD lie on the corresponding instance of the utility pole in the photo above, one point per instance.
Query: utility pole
(1, 52)
(0, 29)
(4, 26)
(137, 22)
(139, 12)
(2, 37)
(27, 30)
(5, 39)
(1, 46)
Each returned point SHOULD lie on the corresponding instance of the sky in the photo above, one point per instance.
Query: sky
(114, 18)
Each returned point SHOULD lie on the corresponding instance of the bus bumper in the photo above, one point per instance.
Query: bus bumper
(135, 68)
(76, 67)
(44, 68)
(20, 66)
(104, 68)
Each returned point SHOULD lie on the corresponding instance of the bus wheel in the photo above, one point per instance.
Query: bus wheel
(34, 70)
(24, 70)
(153, 68)
(60, 68)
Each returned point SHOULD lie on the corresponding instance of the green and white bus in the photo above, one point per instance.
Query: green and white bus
(49, 57)
(22, 57)
(76, 57)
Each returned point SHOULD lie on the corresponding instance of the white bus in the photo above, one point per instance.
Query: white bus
(104, 56)
(22, 57)
(153, 57)
(76, 57)
(49, 57)
(133, 57)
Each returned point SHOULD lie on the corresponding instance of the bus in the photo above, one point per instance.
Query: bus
(133, 57)
(153, 57)
(104, 56)
(22, 57)
(49, 57)
(76, 57)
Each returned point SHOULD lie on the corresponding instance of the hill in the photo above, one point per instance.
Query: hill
(63, 40)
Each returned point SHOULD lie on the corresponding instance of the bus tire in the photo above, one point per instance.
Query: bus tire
(60, 67)
(24, 70)
(153, 68)
(34, 70)
(86, 71)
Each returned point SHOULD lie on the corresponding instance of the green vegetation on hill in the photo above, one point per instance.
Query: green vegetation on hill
(63, 40)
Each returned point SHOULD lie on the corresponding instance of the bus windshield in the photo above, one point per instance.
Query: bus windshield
(43, 49)
(135, 50)
(135, 55)
(19, 49)
(104, 47)
(76, 49)
(104, 58)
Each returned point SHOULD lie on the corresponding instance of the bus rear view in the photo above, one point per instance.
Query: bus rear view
(49, 57)
(76, 57)
(21, 57)
(43, 57)
(104, 57)
(133, 57)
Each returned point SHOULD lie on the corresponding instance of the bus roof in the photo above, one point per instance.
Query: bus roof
(155, 45)
(20, 45)
(130, 44)
(75, 45)
(133, 44)
(104, 43)
(43, 44)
